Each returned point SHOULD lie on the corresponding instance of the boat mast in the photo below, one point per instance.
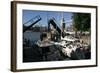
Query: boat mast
(61, 23)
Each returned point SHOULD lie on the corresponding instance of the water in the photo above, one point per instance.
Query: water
(32, 36)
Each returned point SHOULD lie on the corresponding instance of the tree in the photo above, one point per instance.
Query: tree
(81, 22)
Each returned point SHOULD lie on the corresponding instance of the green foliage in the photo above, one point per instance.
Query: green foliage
(81, 21)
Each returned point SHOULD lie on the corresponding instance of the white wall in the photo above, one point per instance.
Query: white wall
(5, 37)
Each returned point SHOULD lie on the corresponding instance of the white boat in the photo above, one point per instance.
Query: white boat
(67, 38)
(68, 50)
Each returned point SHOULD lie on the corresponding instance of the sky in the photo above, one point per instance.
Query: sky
(46, 15)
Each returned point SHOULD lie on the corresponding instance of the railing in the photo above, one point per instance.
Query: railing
(32, 20)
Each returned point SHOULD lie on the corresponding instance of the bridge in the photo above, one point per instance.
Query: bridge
(31, 22)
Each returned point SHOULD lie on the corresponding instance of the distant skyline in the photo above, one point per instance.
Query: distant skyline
(46, 15)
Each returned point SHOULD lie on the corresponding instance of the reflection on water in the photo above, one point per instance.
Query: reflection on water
(32, 36)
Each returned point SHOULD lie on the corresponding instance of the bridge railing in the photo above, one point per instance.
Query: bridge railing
(29, 22)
